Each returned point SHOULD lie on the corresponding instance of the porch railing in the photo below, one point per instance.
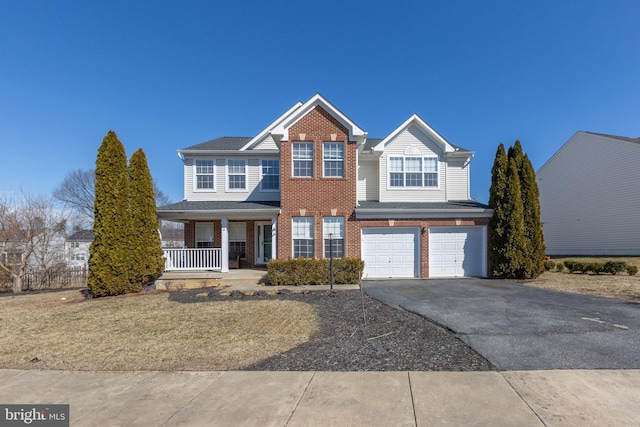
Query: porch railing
(192, 259)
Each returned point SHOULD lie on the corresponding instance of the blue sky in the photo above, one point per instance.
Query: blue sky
(169, 74)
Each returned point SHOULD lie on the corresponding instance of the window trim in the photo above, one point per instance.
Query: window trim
(232, 239)
(213, 235)
(227, 175)
(294, 237)
(195, 176)
(404, 173)
(325, 160)
(325, 237)
(262, 175)
(293, 160)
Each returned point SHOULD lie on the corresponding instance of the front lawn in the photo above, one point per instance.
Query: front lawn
(61, 330)
(620, 286)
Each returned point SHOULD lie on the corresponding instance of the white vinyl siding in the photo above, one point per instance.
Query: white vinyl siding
(457, 179)
(590, 197)
(411, 143)
(253, 169)
(368, 179)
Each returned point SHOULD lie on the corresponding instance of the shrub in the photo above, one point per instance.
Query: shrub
(614, 267)
(632, 270)
(309, 271)
(574, 266)
(549, 265)
(560, 267)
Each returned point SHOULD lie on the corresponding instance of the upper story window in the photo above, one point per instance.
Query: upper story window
(236, 175)
(205, 172)
(303, 159)
(333, 158)
(413, 172)
(270, 175)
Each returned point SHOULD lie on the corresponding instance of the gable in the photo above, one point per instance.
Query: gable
(413, 142)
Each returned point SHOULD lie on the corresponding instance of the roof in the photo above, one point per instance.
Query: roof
(622, 138)
(213, 210)
(451, 209)
(224, 143)
(81, 236)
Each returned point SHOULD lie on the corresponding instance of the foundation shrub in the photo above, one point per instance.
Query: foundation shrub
(309, 271)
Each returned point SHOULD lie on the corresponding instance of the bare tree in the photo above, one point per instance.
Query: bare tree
(31, 234)
(77, 191)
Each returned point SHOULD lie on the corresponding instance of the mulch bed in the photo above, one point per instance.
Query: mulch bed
(389, 340)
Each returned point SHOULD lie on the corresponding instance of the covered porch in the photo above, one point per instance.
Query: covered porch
(221, 235)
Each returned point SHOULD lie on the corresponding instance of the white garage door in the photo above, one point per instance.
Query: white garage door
(391, 252)
(457, 251)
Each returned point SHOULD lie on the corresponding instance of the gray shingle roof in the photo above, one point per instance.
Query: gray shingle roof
(462, 204)
(622, 138)
(81, 236)
(224, 143)
(217, 205)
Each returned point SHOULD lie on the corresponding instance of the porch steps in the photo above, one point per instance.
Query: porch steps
(178, 280)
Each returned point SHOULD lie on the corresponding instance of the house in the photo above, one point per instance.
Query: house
(313, 180)
(590, 196)
(77, 248)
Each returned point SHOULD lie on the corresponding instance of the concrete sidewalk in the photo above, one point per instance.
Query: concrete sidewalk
(239, 398)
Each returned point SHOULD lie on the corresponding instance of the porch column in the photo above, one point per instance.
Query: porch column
(274, 237)
(224, 262)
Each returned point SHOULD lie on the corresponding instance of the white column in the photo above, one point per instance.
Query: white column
(274, 237)
(225, 245)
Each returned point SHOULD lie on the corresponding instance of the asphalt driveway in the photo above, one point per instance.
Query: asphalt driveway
(518, 327)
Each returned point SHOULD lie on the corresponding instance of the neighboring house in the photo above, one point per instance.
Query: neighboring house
(401, 203)
(590, 196)
(77, 248)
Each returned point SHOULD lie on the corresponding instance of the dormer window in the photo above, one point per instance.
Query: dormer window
(413, 172)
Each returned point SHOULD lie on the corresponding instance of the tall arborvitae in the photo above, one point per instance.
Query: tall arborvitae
(514, 264)
(147, 254)
(515, 232)
(497, 194)
(532, 222)
(109, 263)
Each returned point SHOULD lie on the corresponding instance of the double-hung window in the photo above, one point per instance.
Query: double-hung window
(270, 175)
(302, 233)
(205, 172)
(333, 157)
(236, 175)
(333, 234)
(413, 172)
(204, 234)
(238, 238)
(303, 159)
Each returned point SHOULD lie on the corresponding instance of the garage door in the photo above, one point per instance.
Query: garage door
(390, 252)
(457, 251)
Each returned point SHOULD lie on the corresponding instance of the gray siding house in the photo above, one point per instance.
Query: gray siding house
(590, 196)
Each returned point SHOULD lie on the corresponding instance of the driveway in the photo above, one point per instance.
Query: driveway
(518, 327)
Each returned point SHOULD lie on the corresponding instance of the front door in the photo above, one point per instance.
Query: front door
(264, 243)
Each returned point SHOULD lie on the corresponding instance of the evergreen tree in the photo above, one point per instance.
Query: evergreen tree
(109, 264)
(515, 232)
(147, 256)
(532, 222)
(497, 194)
(514, 264)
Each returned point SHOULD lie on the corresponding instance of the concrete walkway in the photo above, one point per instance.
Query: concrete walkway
(238, 398)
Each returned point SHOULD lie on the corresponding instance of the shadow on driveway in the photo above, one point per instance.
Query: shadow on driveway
(518, 327)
